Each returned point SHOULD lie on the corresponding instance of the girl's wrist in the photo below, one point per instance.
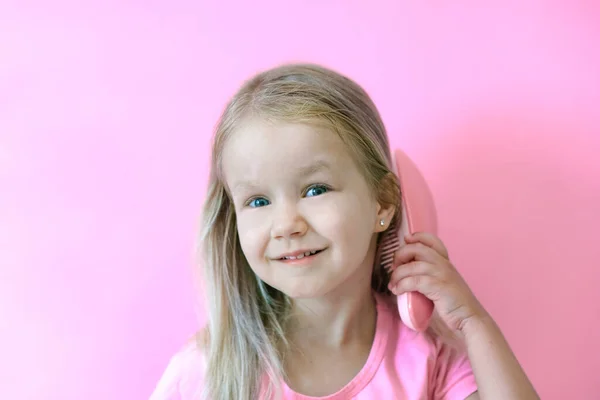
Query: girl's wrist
(497, 370)
(479, 324)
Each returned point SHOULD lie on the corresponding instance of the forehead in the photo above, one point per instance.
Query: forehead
(259, 148)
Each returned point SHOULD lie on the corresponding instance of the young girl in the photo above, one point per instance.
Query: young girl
(301, 190)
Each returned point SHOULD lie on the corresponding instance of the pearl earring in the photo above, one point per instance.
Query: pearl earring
(382, 222)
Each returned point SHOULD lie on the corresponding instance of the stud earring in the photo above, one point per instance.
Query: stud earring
(382, 222)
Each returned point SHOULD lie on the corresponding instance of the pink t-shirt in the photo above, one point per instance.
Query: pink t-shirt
(402, 364)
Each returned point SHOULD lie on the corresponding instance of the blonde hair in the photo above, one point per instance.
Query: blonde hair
(245, 337)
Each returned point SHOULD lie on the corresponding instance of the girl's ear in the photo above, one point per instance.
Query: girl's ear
(385, 214)
(388, 202)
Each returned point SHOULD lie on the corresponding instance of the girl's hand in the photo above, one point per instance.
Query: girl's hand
(423, 265)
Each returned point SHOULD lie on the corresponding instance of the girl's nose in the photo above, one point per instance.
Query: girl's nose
(288, 222)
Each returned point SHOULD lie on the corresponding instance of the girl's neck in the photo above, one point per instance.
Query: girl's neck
(330, 340)
(334, 321)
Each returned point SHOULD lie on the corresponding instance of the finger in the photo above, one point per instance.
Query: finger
(412, 268)
(429, 240)
(424, 284)
(417, 252)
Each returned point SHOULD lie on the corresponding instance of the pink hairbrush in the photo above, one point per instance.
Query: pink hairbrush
(418, 215)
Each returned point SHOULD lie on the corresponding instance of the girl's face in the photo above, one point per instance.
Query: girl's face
(306, 219)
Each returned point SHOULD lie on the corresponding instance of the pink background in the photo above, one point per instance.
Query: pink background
(107, 109)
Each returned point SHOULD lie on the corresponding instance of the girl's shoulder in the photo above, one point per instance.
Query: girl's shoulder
(182, 378)
(440, 361)
(433, 339)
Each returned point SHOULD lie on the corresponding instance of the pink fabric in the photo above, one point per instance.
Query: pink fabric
(402, 363)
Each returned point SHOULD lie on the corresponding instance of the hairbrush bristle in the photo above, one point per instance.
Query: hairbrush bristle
(388, 247)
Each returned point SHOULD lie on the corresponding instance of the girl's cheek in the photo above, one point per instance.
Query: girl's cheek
(254, 232)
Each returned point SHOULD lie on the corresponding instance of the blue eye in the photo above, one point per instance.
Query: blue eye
(316, 190)
(258, 202)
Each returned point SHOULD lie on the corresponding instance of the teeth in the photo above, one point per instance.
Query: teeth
(306, 254)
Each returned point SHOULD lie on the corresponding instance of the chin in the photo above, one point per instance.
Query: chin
(305, 291)
(302, 295)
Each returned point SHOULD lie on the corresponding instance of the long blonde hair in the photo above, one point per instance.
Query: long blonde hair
(245, 337)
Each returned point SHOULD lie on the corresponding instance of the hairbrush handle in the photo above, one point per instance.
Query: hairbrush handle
(418, 215)
(415, 310)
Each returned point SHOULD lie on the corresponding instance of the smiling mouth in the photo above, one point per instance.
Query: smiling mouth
(301, 256)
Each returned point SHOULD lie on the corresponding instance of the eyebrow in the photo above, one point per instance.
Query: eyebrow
(314, 168)
(303, 171)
